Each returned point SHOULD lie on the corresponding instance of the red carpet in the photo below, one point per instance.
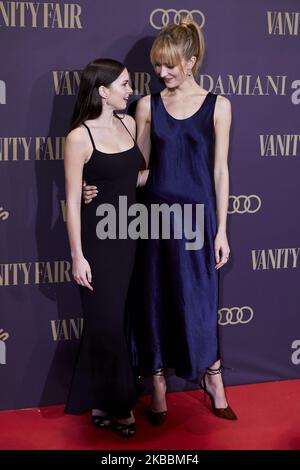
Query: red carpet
(269, 418)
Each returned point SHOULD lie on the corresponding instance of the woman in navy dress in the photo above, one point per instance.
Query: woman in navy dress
(186, 130)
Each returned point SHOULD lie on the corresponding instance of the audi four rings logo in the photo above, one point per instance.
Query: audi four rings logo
(160, 18)
(235, 315)
(242, 204)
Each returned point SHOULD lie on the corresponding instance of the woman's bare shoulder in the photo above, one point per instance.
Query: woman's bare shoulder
(223, 105)
(130, 123)
(143, 103)
(77, 136)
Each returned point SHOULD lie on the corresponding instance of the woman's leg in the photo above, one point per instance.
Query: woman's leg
(214, 385)
(128, 420)
(157, 412)
(158, 401)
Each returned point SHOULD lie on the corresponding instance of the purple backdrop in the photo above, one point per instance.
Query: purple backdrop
(253, 59)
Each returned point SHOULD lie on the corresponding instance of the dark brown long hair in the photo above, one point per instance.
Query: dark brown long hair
(99, 72)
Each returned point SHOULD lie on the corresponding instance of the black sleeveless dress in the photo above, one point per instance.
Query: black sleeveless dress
(103, 377)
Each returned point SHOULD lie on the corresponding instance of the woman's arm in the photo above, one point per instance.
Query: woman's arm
(142, 178)
(222, 118)
(143, 121)
(76, 152)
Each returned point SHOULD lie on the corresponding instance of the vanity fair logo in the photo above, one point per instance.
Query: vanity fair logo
(235, 315)
(279, 145)
(38, 272)
(283, 23)
(2, 92)
(67, 329)
(275, 258)
(3, 214)
(140, 83)
(3, 337)
(50, 15)
(14, 149)
(295, 357)
(244, 204)
(160, 18)
(66, 82)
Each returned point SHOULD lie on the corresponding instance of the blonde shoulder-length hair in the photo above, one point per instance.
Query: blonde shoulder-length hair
(175, 42)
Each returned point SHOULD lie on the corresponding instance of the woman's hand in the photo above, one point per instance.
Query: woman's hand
(142, 178)
(82, 272)
(222, 250)
(88, 192)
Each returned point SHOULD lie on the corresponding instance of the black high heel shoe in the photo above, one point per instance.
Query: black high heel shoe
(224, 413)
(156, 418)
(101, 422)
(123, 430)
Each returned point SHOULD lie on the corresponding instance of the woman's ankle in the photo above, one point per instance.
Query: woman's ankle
(129, 420)
(97, 412)
(159, 381)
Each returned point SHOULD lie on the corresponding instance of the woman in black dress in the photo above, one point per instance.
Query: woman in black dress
(101, 148)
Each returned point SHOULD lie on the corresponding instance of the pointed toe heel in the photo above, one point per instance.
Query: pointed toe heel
(223, 413)
(156, 418)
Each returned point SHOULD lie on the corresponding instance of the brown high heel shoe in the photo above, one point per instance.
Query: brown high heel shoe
(156, 418)
(224, 413)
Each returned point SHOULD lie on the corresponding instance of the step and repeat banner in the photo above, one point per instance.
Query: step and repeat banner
(253, 59)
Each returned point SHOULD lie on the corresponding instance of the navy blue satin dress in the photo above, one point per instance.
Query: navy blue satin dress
(175, 324)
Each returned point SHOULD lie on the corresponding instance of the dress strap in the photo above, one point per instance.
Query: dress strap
(121, 120)
(90, 134)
